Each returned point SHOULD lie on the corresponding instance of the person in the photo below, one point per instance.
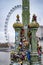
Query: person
(39, 51)
(28, 55)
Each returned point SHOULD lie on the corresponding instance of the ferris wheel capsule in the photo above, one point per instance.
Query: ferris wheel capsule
(6, 19)
(5, 29)
(5, 26)
(5, 32)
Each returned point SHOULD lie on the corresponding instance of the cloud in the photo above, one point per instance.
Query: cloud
(6, 5)
(36, 7)
(2, 38)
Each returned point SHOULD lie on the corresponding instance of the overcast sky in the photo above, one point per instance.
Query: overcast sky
(36, 6)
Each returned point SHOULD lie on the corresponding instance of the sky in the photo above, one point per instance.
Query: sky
(36, 7)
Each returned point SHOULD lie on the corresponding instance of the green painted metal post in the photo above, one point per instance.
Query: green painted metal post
(17, 37)
(25, 15)
(25, 12)
(34, 40)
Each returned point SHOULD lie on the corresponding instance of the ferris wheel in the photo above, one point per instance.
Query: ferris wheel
(7, 19)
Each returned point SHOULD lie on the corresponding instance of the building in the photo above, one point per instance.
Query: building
(39, 34)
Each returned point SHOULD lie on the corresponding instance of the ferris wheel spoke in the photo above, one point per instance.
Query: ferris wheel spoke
(7, 19)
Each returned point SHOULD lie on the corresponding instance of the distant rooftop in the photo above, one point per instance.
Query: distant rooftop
(41, 26)
(2, 45)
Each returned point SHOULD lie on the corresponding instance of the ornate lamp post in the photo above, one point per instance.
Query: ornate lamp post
(33, 26)
(17, 26)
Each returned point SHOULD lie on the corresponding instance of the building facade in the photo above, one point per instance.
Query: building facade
(40, 32)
